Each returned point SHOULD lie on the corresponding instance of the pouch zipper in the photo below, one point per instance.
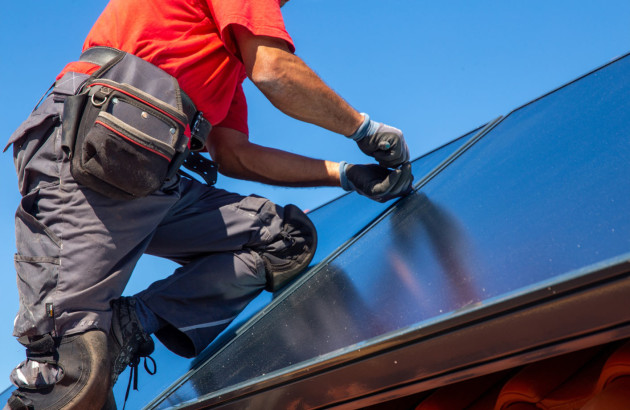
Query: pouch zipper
(129, 94)
(109, 122)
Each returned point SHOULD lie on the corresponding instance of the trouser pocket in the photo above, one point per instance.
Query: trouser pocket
(37, 264)
(34, 147)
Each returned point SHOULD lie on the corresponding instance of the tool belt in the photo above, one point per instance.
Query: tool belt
(130, 127)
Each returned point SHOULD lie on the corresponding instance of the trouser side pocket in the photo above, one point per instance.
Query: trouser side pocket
(37, 265)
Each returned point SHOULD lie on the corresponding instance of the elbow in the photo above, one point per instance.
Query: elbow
(228, 166)
(226, 146)
(270, 72)
(267, 81)
(225, 161)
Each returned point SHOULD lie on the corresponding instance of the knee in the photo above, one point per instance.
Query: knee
(291, 250)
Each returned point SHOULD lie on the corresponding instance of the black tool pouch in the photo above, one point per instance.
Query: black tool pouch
(125, 130)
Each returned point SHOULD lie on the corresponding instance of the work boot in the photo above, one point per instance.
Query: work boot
(62, 373)
(292, 251)
(128, 340)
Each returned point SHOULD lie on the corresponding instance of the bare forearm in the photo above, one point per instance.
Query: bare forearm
(239, 158)
(275, 167)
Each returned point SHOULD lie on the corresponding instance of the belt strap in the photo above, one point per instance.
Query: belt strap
(100, 56)
(205, 168)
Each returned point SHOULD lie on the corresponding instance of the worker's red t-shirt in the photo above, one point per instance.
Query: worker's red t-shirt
(193, 41)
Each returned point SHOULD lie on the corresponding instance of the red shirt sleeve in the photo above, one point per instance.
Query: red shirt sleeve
(260, 17)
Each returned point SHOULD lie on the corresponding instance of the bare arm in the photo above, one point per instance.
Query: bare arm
(237, 157)
(296, 90)
(291, 86)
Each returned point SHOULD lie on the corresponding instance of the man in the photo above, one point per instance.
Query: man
(77, 245)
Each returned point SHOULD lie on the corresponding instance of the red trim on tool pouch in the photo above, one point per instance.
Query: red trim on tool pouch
(139, 99)
(132, 141)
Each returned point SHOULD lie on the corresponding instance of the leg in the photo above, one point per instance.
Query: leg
(201, 299)
(76, 250)
(228, 245)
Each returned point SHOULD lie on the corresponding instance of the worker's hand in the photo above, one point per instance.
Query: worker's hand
(375, 182)
(386, 144)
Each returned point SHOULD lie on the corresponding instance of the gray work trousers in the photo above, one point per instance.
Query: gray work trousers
(76, 249)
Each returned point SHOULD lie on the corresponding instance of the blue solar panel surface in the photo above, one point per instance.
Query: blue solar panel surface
(541, 196)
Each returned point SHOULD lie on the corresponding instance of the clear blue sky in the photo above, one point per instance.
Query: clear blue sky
(434, 69)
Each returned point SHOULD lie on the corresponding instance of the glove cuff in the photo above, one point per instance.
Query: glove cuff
(362, 131)
(343, 178)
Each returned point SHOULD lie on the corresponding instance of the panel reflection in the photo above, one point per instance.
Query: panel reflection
(344, 217)
(425, 233)
(337, 222)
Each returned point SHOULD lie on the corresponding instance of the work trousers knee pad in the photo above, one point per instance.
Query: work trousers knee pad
(291, 251)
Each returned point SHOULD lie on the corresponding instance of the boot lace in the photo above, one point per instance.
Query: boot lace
(133, 374)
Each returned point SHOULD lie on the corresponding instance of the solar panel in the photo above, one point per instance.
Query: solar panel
(338, 222)
(528, 219)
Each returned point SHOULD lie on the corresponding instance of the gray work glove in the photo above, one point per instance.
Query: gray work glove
(376, 182)
(386, 144)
